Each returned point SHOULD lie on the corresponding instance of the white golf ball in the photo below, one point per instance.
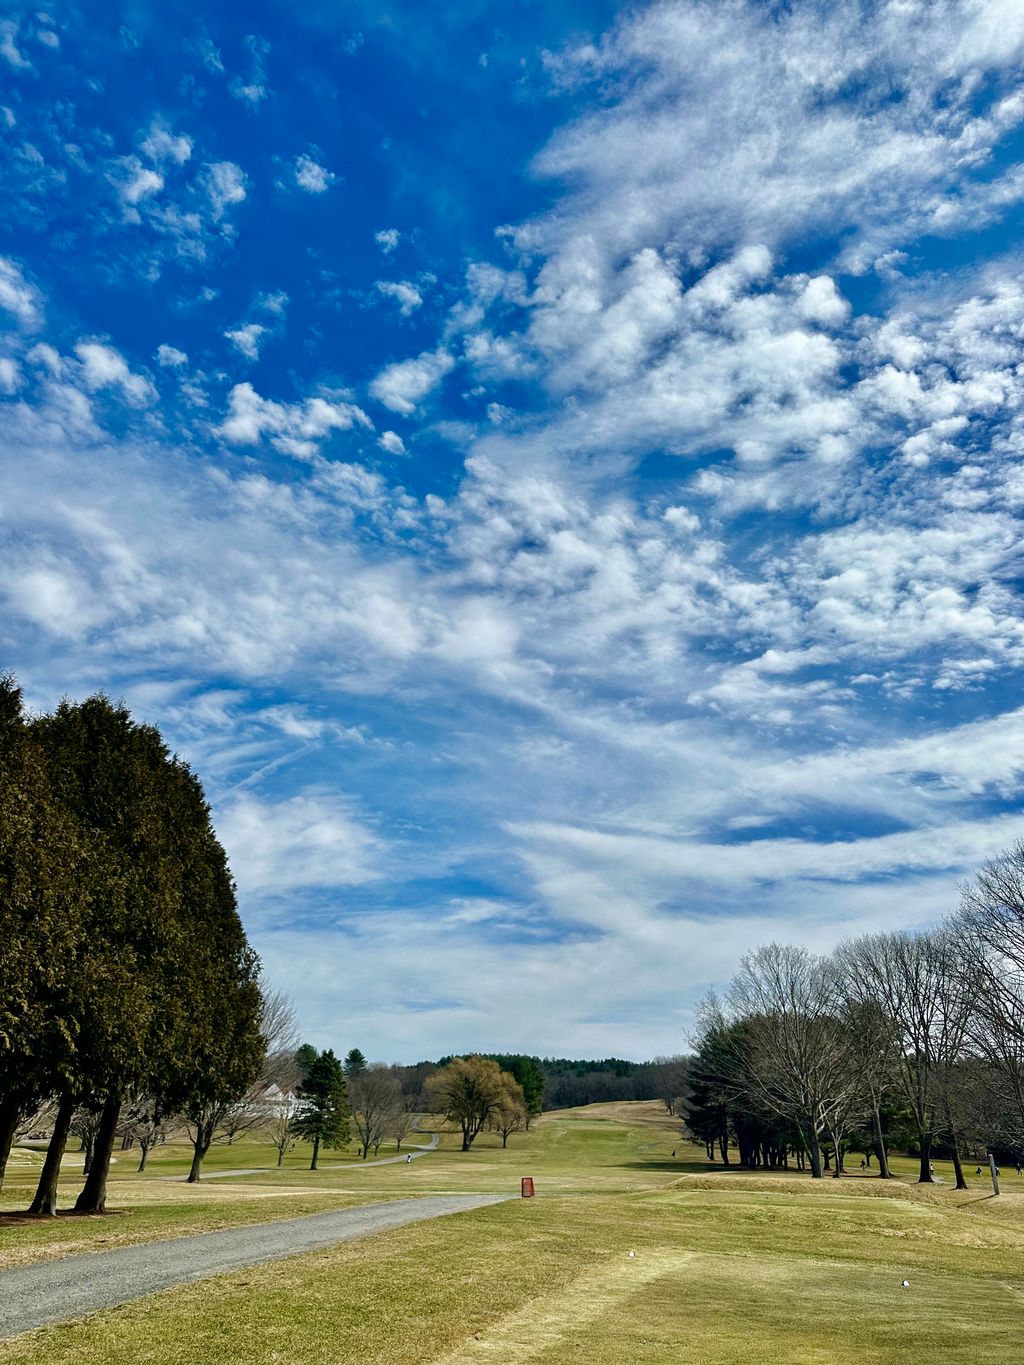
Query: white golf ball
(906, 1284)
(632, 1253)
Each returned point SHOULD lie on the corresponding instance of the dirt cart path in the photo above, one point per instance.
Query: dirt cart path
(53, 1291)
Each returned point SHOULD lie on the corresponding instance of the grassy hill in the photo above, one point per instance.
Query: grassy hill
(729, 1266)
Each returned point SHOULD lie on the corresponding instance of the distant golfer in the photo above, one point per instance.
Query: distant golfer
(978, 1171)
(1018, 1168)
(408, 1159)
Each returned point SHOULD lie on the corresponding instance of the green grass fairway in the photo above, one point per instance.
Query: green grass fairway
(730, 1267)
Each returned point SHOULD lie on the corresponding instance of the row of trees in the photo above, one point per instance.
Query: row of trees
(570, 1082)
(126, 981)
(334, 1101)
(912, 1039)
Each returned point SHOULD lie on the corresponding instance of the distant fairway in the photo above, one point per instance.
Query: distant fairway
(729, 1266)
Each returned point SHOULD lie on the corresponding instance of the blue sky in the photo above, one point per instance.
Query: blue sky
(555, 470)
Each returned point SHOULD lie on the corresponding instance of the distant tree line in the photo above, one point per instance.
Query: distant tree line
(909, 1040)
(564, 1083)
(569, 1083)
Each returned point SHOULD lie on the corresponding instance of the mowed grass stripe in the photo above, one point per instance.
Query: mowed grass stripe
(541, 1329)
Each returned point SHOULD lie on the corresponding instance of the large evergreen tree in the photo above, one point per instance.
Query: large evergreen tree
(126, 970)
(44, 889)
(323, 1117)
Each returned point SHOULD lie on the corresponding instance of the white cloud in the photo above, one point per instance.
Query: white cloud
(170, 356)
(225, 185)
(138, 182)
(250, 92)
(294, 428)
(275, 303)
(248, 339)
(820, 301)
(387, 239)
(9, 48)
(17, 296)
(210, 55)
(160, 144)
(105, 368)
(309, 840)
(311, 177)
(50, 597)
(10, 375)
(403, 385)
(391, 443)
(405, 294)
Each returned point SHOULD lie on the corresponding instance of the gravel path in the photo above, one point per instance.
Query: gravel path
(414, 1152)
(35, 1295)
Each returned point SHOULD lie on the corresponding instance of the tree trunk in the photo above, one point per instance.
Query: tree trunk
(815, 1155)
(925, 1177)
(883, 1155)
(45, 1202)
(200, 1146)
(316, 1152)
(280, 1156)
(93, 1198)
(10, 1112)
(723, 1147)
(958, 1168)
(142, 1159)
(88, 1142)
(504, 1139)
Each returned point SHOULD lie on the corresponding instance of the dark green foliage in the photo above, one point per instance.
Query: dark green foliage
(323, 1118)
(305, 1056)
(126, 970)
(722, 1112)
(45, 878)
(527, 1071)
(355, 1064)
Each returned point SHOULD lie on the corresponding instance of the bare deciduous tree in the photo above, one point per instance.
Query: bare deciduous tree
(142, 1122)
(376, 1099)
(403, 1122)
(917, 982)
(804, 1067)
(991, 925)
(510, 1114)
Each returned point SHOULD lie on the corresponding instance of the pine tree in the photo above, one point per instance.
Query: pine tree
(323, 1117)
(355, 1064)
(44, 895)
(164, 998)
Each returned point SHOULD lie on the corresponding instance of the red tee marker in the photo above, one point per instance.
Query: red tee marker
(527, 1187)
